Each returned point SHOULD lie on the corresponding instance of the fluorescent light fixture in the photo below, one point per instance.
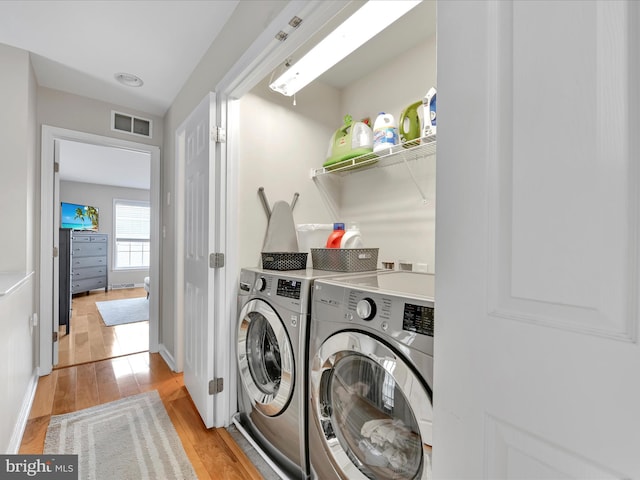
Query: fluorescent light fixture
(373, 17)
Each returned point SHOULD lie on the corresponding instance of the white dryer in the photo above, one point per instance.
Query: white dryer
(371, 376)
(271, 350)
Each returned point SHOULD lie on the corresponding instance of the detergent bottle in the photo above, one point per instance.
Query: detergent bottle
(385, 132)
(352, 237)
(336, 236)
(429, 113)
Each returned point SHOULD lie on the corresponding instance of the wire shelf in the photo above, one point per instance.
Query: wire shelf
(408, 151)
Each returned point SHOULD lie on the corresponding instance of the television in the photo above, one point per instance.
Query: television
(78, 217)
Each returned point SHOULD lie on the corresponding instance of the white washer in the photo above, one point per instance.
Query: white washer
(371, 376)
(271, 350)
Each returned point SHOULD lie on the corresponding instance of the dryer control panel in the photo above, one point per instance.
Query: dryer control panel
(407, 319)
(418, 318)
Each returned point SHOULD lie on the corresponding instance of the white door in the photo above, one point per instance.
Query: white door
(200, 209)
(538, 232)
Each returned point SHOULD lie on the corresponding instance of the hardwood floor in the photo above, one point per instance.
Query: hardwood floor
(91, 340)
(213, 453)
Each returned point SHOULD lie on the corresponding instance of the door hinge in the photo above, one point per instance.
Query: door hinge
(56, 167)
(216, 260)
(219, 134)
(55, 337)
(55, 252)
(216, 386)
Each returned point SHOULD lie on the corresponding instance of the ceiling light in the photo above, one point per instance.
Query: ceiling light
(129, 79)
(364, 24)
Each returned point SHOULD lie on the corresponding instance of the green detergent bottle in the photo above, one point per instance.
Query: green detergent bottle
(350, 140)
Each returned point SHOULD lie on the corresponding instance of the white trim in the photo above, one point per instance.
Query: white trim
(46, 301)
(167, 357)
(266, 53)
(178, 260)
(222, 360)
(255, 64)
(23, 417)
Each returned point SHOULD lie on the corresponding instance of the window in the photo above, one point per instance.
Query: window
(132, 237)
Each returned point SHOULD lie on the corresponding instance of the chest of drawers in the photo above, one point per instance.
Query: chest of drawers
(89, 267)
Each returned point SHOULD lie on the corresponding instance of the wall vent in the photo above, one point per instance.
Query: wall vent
(123, 122)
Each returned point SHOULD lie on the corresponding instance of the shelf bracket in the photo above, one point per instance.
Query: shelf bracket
(415, 181)
(327, 197)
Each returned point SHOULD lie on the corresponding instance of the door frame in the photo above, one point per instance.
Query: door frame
(258, 61)
(47, 302)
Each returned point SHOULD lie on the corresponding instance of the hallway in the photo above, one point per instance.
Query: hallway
(213, 453)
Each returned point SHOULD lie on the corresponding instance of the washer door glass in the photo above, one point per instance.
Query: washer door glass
(265, 357)
(373, 411)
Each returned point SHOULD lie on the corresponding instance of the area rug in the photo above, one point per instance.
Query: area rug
(131, 438)
(128, 310)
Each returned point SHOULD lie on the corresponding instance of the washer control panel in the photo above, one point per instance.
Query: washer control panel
(289, 288)
(366, 309)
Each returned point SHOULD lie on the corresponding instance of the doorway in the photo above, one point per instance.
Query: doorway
(51, 139)
(103, 307)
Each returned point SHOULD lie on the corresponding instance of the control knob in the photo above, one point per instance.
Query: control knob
(261, 284)
(366, 309)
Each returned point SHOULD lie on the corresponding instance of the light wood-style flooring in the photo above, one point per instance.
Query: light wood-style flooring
(90, 339)
(213, 453)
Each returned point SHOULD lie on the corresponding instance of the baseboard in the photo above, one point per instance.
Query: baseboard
(119, 286)
(168, 358)
(23, 416)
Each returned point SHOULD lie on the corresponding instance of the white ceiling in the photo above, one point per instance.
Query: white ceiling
(78, 47)
(82, 162)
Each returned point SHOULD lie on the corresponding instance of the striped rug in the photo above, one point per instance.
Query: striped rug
(131, 438)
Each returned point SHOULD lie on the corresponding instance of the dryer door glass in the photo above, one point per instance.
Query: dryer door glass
(372, 410)
(373, 420)
(265, 358)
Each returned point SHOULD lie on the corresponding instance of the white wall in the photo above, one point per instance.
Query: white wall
(250, 17)
(17, 373)
(65, 110)
(385, 201)
(280, 144)
(18, 245)
(14, 158)
(101, 197)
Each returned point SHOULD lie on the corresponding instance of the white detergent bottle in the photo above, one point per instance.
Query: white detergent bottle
(385, 132)
(429, 113)
(352, 237)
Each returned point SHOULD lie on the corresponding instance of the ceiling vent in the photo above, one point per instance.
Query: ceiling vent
(122, 122)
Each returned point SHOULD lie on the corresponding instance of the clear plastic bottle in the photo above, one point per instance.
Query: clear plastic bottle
(336, 236)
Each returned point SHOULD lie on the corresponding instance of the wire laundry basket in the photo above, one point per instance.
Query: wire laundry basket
(284, 260)
(345, 259)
